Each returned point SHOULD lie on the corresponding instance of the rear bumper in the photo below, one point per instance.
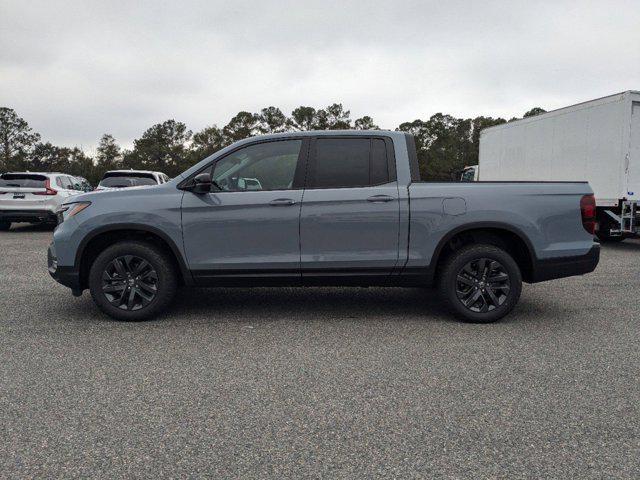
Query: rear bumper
(67, 276)
(27, 216)
(561, 267)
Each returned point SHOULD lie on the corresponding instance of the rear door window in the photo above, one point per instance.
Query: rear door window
(379, 165)
(349, 162)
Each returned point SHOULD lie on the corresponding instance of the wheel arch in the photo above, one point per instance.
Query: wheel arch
(101, 238)
(509, 238)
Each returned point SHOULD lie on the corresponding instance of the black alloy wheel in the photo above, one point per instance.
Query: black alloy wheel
(129, 282)
(483, 285)
(133, 280)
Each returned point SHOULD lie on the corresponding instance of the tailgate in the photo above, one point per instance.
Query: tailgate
(23, 198)
(23, 190)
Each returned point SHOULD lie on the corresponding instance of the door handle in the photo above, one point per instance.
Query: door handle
(282, 202)
(380, 198)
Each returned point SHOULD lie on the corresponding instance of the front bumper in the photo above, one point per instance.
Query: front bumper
(561, 267)
(31, 216)
(67, 276)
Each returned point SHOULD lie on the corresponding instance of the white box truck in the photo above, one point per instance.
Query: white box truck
(597, 141)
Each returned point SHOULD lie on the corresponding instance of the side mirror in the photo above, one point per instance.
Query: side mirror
(202, 183)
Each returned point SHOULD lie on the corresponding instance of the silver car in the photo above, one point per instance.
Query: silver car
(33, 197)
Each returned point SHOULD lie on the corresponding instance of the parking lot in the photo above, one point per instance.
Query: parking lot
(319, 382)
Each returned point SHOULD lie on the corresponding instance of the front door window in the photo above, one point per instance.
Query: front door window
(265, 166)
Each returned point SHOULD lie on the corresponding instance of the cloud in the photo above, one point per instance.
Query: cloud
(75, 70)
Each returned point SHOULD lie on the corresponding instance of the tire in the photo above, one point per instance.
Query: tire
(5, 226)
(461, 281)
(132, 281)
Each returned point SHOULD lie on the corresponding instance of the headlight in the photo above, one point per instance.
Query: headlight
(68, 210)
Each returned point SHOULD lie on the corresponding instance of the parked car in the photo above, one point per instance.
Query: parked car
(333, 208)
(131, 178)
(83, 184)
(33, 197)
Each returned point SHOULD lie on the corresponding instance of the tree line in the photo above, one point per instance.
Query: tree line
(445, 144)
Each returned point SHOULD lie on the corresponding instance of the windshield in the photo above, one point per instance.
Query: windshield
(22, 180)
(127, 180)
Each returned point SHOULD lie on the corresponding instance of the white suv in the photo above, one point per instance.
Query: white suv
(130, 178)
(33, 197)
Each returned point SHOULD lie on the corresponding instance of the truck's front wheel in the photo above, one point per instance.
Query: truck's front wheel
(480, 283)
(132, 281)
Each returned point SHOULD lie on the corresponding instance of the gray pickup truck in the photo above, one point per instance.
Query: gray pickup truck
(322, 208)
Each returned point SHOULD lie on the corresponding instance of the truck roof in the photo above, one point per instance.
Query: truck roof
(550, 113)
(318, 133)
(322, 133)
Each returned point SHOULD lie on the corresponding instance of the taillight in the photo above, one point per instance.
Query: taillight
(49, 190)
(588, 212)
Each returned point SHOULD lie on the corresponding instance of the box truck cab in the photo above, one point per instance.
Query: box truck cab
(469, 174)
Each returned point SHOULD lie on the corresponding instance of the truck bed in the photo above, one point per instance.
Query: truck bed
(438, 210)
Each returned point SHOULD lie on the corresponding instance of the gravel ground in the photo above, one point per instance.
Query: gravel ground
(335, 383)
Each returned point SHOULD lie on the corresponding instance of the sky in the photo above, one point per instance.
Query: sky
(76, 70)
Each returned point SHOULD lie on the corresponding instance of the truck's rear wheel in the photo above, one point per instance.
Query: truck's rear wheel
(480, 283)
(5, 226)
(132, 281)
